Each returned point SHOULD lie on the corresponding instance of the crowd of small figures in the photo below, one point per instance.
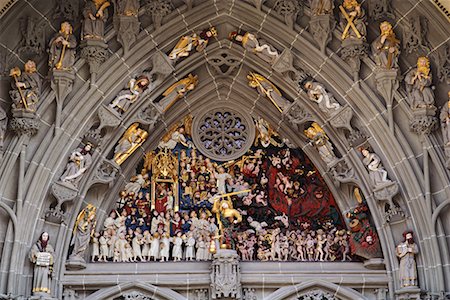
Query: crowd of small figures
(173, 236)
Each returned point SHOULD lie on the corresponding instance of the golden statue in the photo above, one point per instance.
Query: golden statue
(187, 43)
(352, 20)
(82, 232)
(62, 48)
(133, 138)
(321, 141)
(267, 89)
(165, 181)
(177, 91)
(226, 216)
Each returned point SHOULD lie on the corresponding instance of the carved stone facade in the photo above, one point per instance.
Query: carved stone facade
(48, 175)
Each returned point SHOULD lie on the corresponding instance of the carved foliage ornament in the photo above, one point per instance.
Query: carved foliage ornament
(136, 296)
(317, 295)
(223, 133)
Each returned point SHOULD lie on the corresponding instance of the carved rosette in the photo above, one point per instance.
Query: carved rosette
(321, 28)
(226, 275)
(223, 133)
(24, 123)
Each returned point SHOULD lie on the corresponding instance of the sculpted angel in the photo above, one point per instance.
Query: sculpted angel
(187, 43)
(128, 96)
(316, 92)
(226, 217)
(130, 141)
(268, 89)
(266, 136)
(177, 91)
(250, 43)
(320, 140)
(80, 160)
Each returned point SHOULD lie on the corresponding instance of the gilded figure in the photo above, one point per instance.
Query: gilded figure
(386, 47)
(82, 232)
(132, 139)
(62, 48)
(268, 89)
(251, 43)
(187, 43)
(126, 97)
(418, 85)
(95, 15)
(352, 20)
(25, 87)
(177, 91)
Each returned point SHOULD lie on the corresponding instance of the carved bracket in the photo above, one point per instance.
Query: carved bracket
(127, 28)
(106, 172)
(161, 68)
(108, 117)
(24, 122)
(95, 53)
(352, 52)
(63, 192)
(62, 82)
(424, 121)
(226, 275)
(342, 118)
(343, 172)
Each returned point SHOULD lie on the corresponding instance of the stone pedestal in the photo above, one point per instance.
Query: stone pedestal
(387, 83)
(24, 122)
(108, 117)
(63, 192)
(42, 296)
(353, 50)
(75, 263)
(226, 275)
(375, 264)
(95, 53)
(127, 28)
(342, 118)
(62, 82)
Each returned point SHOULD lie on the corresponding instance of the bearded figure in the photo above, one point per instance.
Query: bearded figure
(407, 251)
(386, 47)
(41, 255)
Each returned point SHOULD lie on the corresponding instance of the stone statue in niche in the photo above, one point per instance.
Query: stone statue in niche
(352, 20)
(377, 173)
(95, 15)
(130, 141)
(177, 91)
(406, 252)
(187, 43)
(316, 92)
(25, 87)
(418, 85)
(321, 7)
(386, 47)
(42, 257)
(62, 48)
(79, 161)
(267, 89)
(445, 121)
(250, 43)
(84, 229)
(321, 141)
(128, 96)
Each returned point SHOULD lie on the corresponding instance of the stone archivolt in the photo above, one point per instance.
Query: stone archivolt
(329, 70)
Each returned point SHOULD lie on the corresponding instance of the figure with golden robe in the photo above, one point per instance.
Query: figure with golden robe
(418, 83)
(177, 91)
(187, 43)
(352, 20)
(130, 141)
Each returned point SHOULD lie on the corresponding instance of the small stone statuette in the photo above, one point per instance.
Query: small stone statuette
(79, 161)
(406, 252)
(418, 85)
(187, 43)
(321, 7)
(84, 229)
(326, 102)
(377, 173)
(25, 87)
(62, 49)
(130, 141)
(267, 89)
(321, 141)
(42, 257)
(352, 20)
(386, 47)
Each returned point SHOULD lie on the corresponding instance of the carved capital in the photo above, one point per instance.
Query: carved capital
(106, 172)
(343, 172)
(423, 124)
(148, 115)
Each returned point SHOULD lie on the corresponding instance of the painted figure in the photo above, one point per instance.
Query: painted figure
(445, 121)
(386, 47)
(377, 173)
(128, 96)
(82, 232)
(95, 15)
(250, 43)
(406, 252)
(352, 20)
(267, 89)
(187, 43)
(62, 49)
(321, 7)
(80, 160)
(316, 92)
(130, 141)
(42, 257)
(418, 85)
(26, 87)
(177, 91)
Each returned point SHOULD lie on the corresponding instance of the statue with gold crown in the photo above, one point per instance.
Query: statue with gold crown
(187, 43)
(83, 229)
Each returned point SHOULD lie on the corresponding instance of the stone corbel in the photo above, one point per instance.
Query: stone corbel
(343, 172)
(63, 192)
(384, 194)
(424, 121)
(162, 67)
(108, 117)
(62, 82)
(342, 118)
(127, 28)
(321, 27)
(352, 53)
(24, 122)
(106, 173)
(387, 83)
(297, 115)
(148, 115)
(95, 53)
(285, 66)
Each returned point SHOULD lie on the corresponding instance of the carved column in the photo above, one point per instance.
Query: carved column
(226, 275)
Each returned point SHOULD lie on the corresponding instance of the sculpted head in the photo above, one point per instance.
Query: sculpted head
(30, 66)
(386, 28)
(66, 28)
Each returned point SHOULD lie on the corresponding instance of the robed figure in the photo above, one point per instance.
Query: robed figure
(41, 255)
(95, 14)
(418, 84)
(386, 47)
(62, 48)
(251, 43)
(407, 251)
(82, 231)
(445, 121)
(25, 87)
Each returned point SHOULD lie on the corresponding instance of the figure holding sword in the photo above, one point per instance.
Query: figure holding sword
(352, 20)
